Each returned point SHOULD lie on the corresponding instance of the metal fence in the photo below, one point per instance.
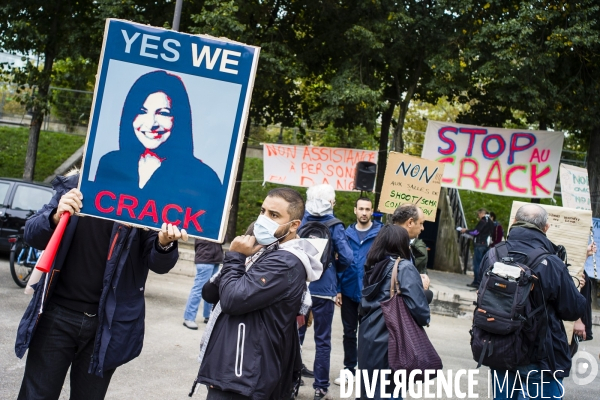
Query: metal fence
(69, 109)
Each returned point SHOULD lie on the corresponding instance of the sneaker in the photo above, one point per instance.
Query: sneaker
(473, 285)
(190, 324)
(322, 394)
(206, 320)
(338, 381)
(307, 373)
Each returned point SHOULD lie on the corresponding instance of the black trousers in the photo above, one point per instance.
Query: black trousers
(64, 338)
(350, 323)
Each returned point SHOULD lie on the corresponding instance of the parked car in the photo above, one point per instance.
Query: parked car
(18, 201)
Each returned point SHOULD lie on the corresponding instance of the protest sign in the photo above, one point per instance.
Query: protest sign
(410, 179)
(574, 187)
(507, 162)
(306, 166)
(570, 228)
(166, 128)
(591, 263)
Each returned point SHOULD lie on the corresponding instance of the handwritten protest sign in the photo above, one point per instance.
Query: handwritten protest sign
(591, 263)
(506, 162)
(306, 166)
(166, 128)
(571, 228)
(410, 179)
(574, 187)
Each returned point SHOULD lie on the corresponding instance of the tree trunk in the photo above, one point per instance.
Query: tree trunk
(32, 144)
(386, 120)
(593, 167)
(398, 141)
(39, 103)
(235, 199)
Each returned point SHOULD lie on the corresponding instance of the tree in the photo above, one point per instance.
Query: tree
(73, 106)
(51, 30)
(539, 59)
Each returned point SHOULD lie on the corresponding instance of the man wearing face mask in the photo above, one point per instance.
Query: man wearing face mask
(250, 347)
(320, 200)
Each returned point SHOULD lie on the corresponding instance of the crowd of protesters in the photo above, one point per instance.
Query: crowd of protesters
(272, 285)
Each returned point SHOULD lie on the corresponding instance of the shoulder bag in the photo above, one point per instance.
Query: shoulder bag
(409, 347)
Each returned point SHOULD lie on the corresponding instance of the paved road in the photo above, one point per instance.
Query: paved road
(167, 365)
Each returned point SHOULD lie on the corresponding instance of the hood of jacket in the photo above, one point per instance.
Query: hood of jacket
(308, 255)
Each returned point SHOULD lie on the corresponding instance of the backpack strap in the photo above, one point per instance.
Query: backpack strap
(501, 251)
(331, 222)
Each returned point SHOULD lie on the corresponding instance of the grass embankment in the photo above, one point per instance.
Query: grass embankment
(53, 149)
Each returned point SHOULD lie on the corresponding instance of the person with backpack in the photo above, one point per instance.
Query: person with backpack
(525, 294)
(320, 200)
(360, 237)
(481, 236)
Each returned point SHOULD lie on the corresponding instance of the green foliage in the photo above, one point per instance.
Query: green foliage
(54, 148)
(253, 193)
(73, 107)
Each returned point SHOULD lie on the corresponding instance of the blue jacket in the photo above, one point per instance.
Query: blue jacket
(327, 284)
(121, 309)
(350, 281)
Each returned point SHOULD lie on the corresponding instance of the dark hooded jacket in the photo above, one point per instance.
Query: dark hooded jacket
(372, 332)
(563, 301)
(254, 346)
(133, 252)
(191, 183)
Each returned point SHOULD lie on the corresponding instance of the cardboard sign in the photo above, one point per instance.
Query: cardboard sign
(507, 162)
(306, 166)
(410, 179)
(591, 263)
(166, 128)
(569, 227)
(574, 187)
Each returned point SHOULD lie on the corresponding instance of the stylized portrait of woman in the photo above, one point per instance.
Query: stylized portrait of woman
(156, 149)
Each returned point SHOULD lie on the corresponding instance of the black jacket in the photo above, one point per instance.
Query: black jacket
(372, 332)
(254, 343)
(133, 252)
(483, 230)
(563, 301)
(207, 252)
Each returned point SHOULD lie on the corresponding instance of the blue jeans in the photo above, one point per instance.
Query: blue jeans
(322, 310)
(478, 253)
(535, 384)
(63, 338)
(203, 274)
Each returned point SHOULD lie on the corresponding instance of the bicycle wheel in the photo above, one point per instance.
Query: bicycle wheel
(20, 271)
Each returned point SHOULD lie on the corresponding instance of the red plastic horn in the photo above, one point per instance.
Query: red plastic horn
(45, 262)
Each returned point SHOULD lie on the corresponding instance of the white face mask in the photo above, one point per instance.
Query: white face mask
(265, 228)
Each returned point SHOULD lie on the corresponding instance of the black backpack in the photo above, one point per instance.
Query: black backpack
(510, 319)
(321, 230)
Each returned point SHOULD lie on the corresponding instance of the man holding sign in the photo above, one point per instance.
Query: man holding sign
(93, 319)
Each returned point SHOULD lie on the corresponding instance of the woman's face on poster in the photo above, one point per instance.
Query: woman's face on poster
(154, 121)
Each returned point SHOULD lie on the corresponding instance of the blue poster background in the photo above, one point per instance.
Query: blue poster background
(166, 128)
(589, 262)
